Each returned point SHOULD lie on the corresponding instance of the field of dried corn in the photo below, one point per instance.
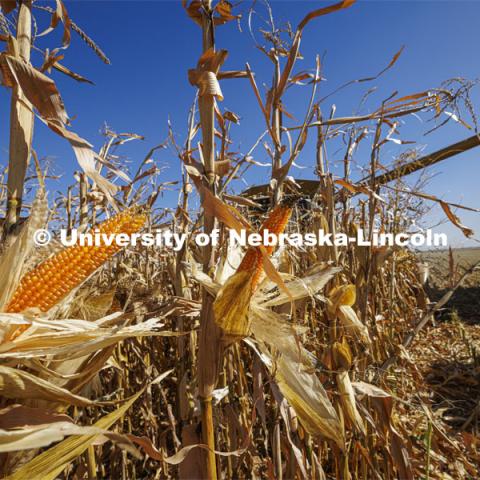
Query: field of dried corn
(331, 362)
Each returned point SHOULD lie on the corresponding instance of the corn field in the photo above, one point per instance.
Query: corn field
(218, 361)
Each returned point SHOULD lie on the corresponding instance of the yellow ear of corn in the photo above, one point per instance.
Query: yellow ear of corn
(252, 261)
(48, 283)
(345, 295)
(233, 300)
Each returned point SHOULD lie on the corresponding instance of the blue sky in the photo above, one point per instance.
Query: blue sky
(152, 44)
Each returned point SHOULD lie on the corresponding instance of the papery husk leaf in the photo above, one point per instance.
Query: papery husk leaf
(307, 396)
(347, 400)
(77, 343)
(344, 295)
(272, 328)
(294, 373)
(304, 287)
(13, 259)
(232, 305)
(352, 324)
(90, 307)
(342, 355)
(229, 263)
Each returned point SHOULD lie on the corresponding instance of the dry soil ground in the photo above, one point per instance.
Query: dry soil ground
(447, 354)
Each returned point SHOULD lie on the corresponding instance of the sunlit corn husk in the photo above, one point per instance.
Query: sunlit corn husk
(352, 324)
(69, 339)
(306, 395)
(303, 287)
(271, 328)
(15, 257)
(342, 355)
(48, 283)
(343, 295)
(233, 300)
(341, 300)
(232, 304)
(347, 400)
(295, 374)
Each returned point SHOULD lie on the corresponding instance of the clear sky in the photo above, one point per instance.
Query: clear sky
(152, 44)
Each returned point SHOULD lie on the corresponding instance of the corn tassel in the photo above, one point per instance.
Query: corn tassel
(233, 300)
(51, 281)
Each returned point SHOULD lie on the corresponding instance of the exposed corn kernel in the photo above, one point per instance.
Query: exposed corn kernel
(52, 280)
(252, 261)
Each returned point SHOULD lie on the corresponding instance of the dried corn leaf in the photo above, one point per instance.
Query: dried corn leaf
(42, 93)
(70, 73)
(42, 435)
(49, 464)
(86, 159)
(18, 384)
(17, 416)
(77, 343)
(325, 11)
(358, 189)
(383, 404)
(468, 232)
(39, 89)
(60, 15)
(224, 10)
(8, 5)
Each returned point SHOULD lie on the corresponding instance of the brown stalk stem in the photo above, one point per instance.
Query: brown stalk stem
(209, 345)
(21, 125)
(277, 128)
(92, 464)
(208, 435)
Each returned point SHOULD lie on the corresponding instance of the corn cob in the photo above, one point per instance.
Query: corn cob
(233, 300)
(48, 283)
(252, 262)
